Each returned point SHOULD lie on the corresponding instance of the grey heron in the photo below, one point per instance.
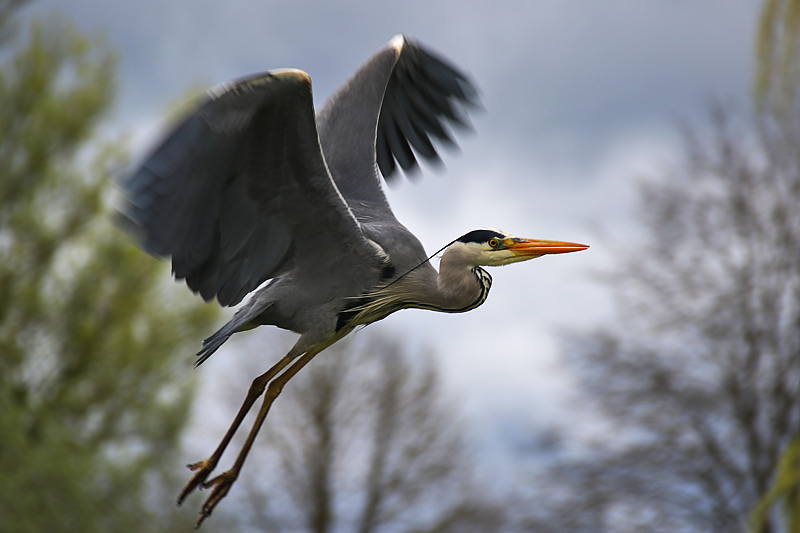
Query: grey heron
(253, 191)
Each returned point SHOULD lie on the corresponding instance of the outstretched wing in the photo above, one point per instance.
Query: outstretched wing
(394, 109)
(239, 187)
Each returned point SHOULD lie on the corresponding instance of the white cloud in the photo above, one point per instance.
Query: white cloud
(580, 96)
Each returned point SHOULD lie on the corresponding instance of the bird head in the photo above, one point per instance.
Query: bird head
(487, 247)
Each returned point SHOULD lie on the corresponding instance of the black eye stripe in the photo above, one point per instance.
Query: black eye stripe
(480, 235)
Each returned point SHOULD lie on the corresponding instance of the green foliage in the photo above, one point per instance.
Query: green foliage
(778, 56)
(785, 489)
(777, 91)
(92, 401)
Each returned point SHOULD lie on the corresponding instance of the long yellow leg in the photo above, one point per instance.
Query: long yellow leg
(203, 468)
(223, 482)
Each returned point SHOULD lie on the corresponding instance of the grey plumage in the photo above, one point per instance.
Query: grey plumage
(252, 186)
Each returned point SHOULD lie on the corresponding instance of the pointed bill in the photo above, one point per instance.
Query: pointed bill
(537, 247)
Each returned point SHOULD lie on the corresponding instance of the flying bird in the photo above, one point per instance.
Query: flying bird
(254, 192)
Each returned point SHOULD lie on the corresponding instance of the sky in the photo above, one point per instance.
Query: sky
(581, 100)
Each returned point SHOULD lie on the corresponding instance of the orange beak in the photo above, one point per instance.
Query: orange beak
(537, 247)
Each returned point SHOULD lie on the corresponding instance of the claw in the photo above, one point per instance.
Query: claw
(202, 469)
(221, 485)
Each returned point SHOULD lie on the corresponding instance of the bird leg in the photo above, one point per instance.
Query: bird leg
(203, 468)
(221, 484)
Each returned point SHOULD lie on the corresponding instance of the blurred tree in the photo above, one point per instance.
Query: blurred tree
(91, 406)
(364, 442)
(700, 378)
(785, 490)
(777, 91)
(778, 57)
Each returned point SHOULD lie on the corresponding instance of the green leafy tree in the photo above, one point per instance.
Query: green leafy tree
(785, 491)
(91, 402)
(778, 57)
(777, 91)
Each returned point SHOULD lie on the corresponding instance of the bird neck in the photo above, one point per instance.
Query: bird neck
(457, 287)
(461, 285)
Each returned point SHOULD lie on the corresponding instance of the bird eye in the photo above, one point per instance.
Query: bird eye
(493, 243)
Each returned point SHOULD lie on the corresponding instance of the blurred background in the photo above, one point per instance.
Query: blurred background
(651, 383)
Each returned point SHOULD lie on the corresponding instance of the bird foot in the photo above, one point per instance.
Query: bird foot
(201, 469)
(220, 486)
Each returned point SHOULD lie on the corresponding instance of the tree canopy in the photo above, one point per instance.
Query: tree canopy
(699, 376)
(91, 401)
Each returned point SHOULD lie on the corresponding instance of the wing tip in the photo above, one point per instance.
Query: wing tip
(255, 81)
(294, 74)
(398, 42)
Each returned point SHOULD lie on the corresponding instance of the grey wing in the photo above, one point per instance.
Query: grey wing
(391, 111)
(230, 192)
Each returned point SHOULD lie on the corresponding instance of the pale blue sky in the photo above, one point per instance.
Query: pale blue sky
(581, 99)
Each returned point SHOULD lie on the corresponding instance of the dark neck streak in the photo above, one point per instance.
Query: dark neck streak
(448, 294)
(464, 293)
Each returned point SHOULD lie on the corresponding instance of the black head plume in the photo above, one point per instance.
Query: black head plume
(480, 235)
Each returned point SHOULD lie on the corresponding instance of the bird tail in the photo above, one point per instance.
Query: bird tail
(212, 343)
(241, 321)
